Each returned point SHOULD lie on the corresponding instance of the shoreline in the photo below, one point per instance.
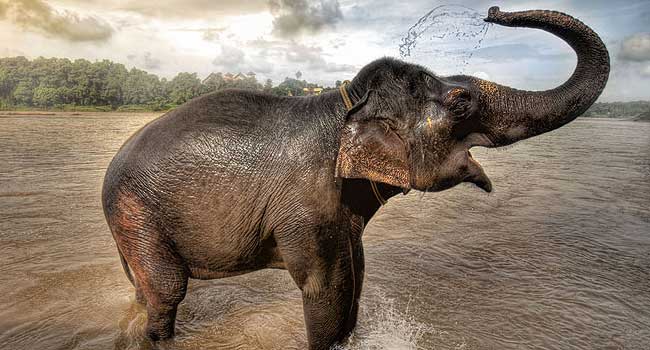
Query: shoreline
(76, 114)
(41, 113)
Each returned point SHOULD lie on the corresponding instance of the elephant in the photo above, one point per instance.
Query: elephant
(236, 181)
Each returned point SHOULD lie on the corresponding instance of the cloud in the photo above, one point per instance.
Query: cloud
(148, 61)
(234, 59)
(294, 17)
(646, 71)
(312, 58)
(516, 52)
(207, 34)
(230, 56)
(277, 57)
(9, 52)
(636, 48)
(211, 34)
(38, 16)
(192, 9)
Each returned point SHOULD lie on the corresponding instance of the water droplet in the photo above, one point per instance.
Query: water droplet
(445, 38)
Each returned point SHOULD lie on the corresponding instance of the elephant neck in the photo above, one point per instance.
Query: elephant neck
(363, 198)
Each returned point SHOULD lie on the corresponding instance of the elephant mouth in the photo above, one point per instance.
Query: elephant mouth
(476, 174)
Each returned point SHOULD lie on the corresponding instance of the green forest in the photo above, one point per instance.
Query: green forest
(81, 85)
(639, 110)
(61, 84)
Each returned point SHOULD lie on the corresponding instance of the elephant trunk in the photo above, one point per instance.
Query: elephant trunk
(510, 115)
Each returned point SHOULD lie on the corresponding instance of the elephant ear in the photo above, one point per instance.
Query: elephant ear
(370, 149)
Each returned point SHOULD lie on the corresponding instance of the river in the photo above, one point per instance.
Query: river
(558, 257)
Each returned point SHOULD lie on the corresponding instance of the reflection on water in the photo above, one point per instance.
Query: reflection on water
(557, 257)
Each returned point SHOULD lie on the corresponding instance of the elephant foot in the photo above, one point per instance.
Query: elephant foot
(160, 323)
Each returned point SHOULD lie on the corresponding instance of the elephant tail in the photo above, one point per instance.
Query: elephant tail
(126, 268)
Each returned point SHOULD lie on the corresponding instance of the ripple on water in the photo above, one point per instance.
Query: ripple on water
(557, 257)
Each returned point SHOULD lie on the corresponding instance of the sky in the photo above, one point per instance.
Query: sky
(326, 40)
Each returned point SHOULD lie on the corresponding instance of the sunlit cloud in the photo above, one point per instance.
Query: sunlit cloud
(38, 16)
(327, 40)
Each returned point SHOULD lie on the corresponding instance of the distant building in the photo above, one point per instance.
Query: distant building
(229, 76)
(238, 76)
(312, 91)
(211, 77)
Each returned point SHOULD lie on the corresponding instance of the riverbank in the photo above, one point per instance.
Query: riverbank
(77, 114)
(91, 109)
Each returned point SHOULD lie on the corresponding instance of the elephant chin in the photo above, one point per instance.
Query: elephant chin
(476, 175)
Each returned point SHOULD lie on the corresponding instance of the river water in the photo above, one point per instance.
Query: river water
(558, 257)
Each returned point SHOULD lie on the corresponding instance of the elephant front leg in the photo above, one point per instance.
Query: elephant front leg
(330, 312)
(331, 287)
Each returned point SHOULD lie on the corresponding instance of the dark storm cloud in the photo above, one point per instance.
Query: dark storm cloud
(38, 16)
(294, 17)
(636, 48)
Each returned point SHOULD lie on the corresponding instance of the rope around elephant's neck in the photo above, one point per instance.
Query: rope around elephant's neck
(344, 94)
(348, 105)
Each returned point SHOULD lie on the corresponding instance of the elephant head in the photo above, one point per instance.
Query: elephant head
(412, 129)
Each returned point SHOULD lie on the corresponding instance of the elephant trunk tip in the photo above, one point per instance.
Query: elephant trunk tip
(493, 13)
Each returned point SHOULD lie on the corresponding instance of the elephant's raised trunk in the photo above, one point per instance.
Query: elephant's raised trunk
(510, 115)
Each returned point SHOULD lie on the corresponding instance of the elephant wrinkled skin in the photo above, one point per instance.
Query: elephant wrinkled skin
(235, 181)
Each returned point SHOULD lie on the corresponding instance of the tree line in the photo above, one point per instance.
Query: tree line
(60, 83)
(618, 109)
(63, 84)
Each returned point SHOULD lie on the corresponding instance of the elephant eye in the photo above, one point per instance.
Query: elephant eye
(458, 102)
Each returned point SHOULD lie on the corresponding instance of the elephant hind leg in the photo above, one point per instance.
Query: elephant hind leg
(158, 272)
(160, 278)
(139, 293)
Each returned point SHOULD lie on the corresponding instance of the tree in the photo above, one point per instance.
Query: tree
(113, 87)
(141, 87)
(23, 93)
(47, 82)
(214, 82)
(184, 87)
(291, 86)
(45, 96)
(268, 85)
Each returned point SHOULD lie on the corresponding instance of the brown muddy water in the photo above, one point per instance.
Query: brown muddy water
(558, 257)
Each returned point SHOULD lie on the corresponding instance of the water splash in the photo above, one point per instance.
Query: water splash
(385, 327)
(445, 38)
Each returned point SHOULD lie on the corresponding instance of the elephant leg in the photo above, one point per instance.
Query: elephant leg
(329, 274)
(140, 298)
(164, 287)
(359, 267)
(160, 280)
